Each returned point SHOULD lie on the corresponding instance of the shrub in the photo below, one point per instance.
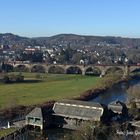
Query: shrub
(6, 79)
(19, 78)
(12, 78)
(38, 76)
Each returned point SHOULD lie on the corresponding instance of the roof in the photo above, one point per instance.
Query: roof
(36, 112)
(78, 109)
(78, 102)
(116, 106)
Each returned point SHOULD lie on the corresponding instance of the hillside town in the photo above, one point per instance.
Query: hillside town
(58, 54)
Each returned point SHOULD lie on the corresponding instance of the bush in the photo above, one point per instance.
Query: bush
(19, 78)
(12, 78)
(38, 76)
(38, 69)
(56, 70)
(6, 79)
(21, 69)
(89, 131)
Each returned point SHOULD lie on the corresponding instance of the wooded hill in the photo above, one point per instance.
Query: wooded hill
(70, 39)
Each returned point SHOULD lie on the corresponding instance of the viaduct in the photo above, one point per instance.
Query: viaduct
(78, 69)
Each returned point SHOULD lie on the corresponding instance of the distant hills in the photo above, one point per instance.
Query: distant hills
(69, 39)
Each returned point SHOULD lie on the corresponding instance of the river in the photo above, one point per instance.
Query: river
(117, 92)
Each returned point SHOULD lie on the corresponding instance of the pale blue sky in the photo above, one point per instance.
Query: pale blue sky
(88, 17)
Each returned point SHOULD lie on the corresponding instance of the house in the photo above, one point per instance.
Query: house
(71, 113)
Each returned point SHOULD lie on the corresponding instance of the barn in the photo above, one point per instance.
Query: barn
(71, 113)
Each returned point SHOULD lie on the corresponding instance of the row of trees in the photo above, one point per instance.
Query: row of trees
(12, 78)
(32, 57)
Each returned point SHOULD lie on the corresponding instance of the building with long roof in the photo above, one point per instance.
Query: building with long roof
(71, 113)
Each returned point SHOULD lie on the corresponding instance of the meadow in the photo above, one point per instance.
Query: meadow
(40, 88)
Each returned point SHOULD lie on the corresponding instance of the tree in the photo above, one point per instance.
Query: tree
(93, 59)
(68, 54)
(89, 131)
(56, 70)
(37, 57)
(76, 58)
(6, 67)
(38, 68)
(3, 66)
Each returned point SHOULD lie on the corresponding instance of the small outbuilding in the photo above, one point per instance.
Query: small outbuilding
(35, 118)
(117, 107)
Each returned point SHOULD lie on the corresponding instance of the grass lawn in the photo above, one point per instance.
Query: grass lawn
(52, 87)
(5, 132)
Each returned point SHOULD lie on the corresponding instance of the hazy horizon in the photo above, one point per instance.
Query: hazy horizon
(70, 34)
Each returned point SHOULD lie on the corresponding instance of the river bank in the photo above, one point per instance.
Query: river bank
(21, 111)
(18, 112)
(95, 92)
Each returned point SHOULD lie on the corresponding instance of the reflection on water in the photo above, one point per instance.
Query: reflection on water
(117, 92)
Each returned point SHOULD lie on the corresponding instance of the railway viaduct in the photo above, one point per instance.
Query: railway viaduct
(78, 69)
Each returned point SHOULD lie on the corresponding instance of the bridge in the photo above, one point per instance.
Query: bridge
(74, 69)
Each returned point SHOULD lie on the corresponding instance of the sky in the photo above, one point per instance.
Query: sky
(34, 18)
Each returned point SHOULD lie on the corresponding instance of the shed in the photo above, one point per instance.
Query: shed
(117, 107)
(35, 118)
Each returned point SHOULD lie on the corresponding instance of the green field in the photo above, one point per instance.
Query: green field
(50, 87)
